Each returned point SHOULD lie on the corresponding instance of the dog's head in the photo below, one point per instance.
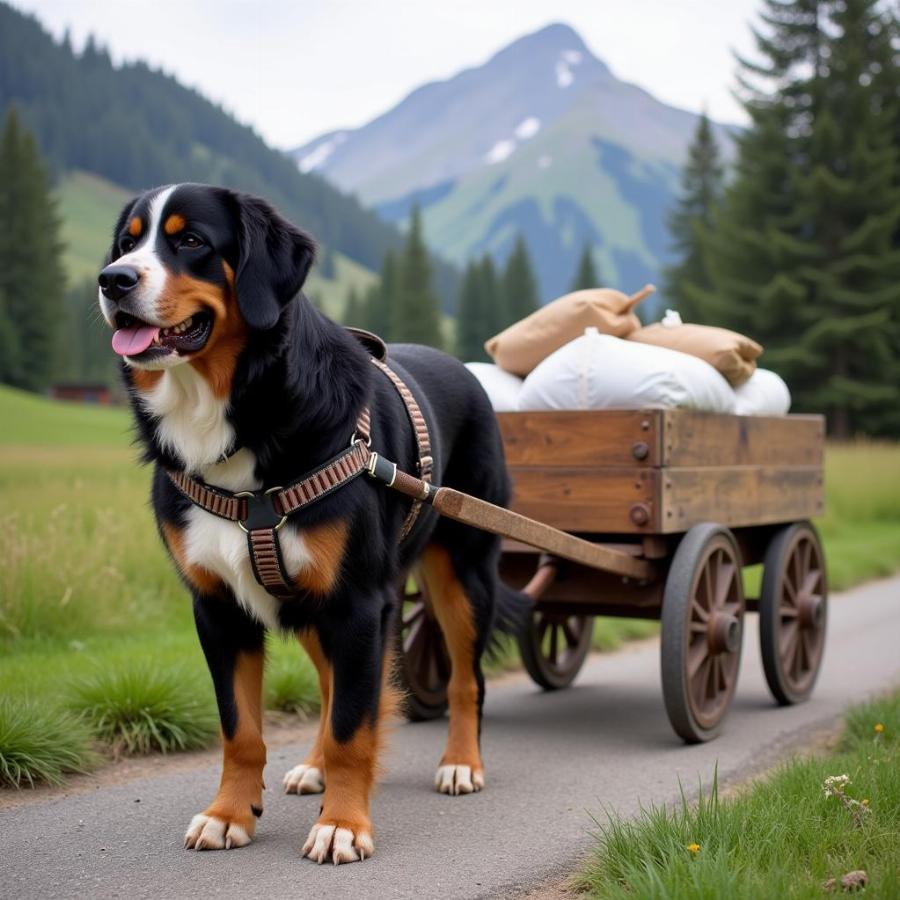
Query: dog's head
(192, 269)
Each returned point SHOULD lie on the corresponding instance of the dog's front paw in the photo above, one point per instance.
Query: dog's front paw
(211, 833)
(304, 779)
(458, 779)
(331, 840)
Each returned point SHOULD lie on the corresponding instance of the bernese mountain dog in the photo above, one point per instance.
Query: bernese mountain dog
(235, 378)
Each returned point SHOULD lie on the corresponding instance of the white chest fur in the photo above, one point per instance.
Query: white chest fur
(192, 422)
(221, 547)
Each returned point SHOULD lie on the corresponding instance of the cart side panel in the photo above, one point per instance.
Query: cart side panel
(739, 495)
(704, 439)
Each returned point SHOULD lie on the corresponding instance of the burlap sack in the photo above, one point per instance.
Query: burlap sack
(523, 345)
(731, 353)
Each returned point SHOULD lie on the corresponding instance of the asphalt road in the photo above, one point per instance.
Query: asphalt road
(552, 761)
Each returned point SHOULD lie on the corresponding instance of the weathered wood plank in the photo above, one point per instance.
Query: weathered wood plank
(488, 517)
(582, 438)
(705, 439)
(739, 495)
(603, 500)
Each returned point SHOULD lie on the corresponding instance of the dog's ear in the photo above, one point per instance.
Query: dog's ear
(124, 216)
(274, 259)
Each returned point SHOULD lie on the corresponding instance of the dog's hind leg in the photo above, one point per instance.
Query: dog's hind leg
(461, 770)
(233, 644)
(309, 776)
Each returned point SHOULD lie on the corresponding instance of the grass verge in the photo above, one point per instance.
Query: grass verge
(783, 837)
(140, 709)
(38, 743)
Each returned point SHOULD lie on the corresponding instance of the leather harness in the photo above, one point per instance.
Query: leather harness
(262, 513)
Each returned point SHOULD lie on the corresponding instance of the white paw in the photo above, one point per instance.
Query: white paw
(458, 780)
(209, 833)
(338, 844)
(304, 779)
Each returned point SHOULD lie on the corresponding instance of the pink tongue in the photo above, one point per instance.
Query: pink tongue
(134, 340)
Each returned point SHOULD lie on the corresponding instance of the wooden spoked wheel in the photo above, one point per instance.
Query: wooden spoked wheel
(793, 612)
(424, 665)
(553, 647)
(702, 631)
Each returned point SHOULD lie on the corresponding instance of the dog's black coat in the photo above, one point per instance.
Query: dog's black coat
(299, 385)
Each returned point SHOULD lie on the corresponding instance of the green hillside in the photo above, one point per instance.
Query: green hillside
(138, 127)
(89, 205)
(34, 421)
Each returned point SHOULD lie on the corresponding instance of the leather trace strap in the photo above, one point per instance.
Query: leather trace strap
(425, 464)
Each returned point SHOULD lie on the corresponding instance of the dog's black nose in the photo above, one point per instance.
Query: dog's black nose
(116, 281)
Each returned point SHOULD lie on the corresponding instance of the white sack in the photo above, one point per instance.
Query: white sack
(763, 394)
(598, 371)
(501, 387)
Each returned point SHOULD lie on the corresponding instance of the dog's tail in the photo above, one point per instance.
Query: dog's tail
(512, 612)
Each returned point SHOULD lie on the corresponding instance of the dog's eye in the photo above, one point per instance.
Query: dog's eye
(126, 245)
(190, 241)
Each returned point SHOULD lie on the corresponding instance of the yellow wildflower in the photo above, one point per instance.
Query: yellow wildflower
(694, 848)
(878, 728)
(865, 801)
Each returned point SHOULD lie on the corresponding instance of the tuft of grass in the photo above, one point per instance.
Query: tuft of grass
(140, 709)
(291, 682)
(40, 743)
(782, 837)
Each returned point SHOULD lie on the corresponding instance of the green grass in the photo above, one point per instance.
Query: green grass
(39, 743)
(141, 708)
(780, 838)
(89, 207)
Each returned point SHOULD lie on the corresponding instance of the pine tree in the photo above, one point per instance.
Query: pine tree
(32, 283)
(692, 220)
(492, 294)
(586, 275)
(473, 317)
(380, 298)
(804, 253)
(415, 314)
(353, 310)
(520, 294)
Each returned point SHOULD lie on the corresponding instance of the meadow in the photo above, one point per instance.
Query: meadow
(87, 594)
(797, 833)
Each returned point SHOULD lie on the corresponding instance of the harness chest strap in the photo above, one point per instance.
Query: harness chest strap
(262, 513)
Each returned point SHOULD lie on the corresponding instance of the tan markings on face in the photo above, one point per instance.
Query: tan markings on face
(326, 545)
(453, 611)
(174, 224)
(182, 297)
(145, 380)
(202, 579)
(135, 227)
(244, 754)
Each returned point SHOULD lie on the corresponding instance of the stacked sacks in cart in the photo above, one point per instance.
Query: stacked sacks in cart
(588, 350)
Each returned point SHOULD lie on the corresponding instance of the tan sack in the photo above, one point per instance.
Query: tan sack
(523, 345)
(730, 353)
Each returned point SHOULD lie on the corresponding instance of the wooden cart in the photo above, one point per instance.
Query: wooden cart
(684, 500)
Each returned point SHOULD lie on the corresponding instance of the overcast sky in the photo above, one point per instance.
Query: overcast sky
(296, 69)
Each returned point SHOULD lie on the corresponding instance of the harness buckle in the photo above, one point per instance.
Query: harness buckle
(261, 512)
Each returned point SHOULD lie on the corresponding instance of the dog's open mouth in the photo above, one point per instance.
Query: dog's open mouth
(140, 340)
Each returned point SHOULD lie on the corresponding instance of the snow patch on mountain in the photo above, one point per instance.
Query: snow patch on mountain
(564, 74)
(317, 156)
(500, 151)
(527, 128)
